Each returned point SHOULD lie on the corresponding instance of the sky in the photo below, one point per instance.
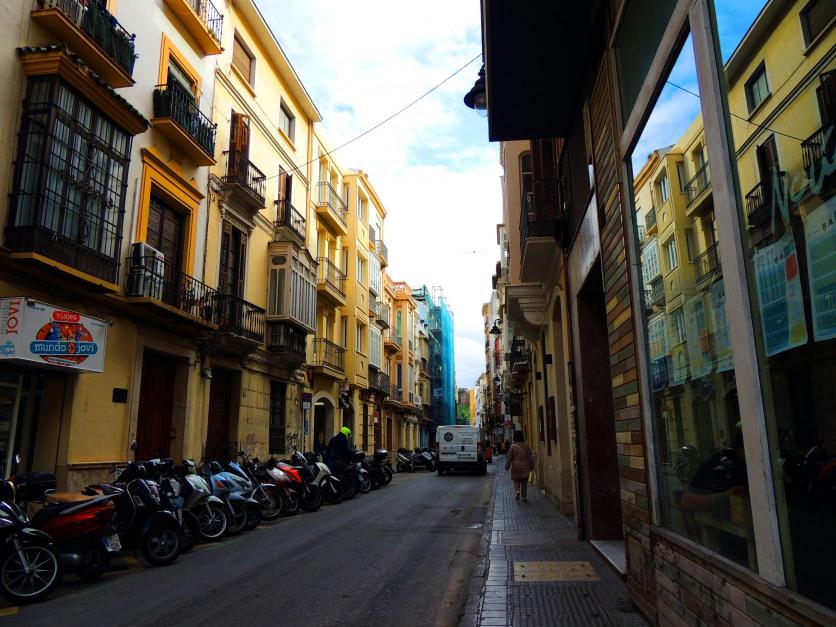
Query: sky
(433, 167)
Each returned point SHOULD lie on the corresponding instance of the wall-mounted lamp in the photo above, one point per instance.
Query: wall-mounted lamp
(477, 97)
(495, 330)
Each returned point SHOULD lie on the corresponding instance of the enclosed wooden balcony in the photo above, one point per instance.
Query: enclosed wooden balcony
(331, 208)
(177, 117)
(91, 32)
(202, 20)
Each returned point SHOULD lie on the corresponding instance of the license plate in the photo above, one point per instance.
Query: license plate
(112, 544)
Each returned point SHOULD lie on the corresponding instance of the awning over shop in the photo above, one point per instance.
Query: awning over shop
(36, 333)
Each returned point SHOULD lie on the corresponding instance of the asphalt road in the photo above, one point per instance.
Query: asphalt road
(399, 555)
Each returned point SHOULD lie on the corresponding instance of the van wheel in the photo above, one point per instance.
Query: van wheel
(440, 471)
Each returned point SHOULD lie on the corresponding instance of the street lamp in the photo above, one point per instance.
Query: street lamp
(477, 97)
(495, 329)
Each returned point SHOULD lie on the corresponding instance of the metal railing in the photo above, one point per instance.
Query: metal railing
(382, 250)
(519, 352)
(152, 277)
(382, 311)
(286, 215)
(650, 219)
(210, 16)
(240, 317)
(655, 294)
(329, 274)
(286, 339)
(99, 25)
(815, 148)
(173, 101)
(708, 263)
(698, 184)
(327, 196)
(393, 337)
(396, 392)
(327, 353)
(241, 171)
(538, 217)
(759, 199)
(379, 380)
(372, 234)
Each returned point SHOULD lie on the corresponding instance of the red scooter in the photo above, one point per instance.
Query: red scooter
(80, 525)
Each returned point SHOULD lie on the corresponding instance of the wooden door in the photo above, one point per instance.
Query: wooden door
(220, 407)
(767, 154)
(239, 134)
(156, 405)
(165, 232)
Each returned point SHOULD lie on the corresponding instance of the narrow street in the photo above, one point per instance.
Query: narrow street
(402, 553)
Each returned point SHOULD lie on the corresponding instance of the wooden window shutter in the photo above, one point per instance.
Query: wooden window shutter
(239, 133)
(242, 264)
(226, 246)
(242, 60)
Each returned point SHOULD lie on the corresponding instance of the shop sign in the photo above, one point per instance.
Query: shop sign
(35, 332)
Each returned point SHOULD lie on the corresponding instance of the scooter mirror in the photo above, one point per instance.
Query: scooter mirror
(134, 445)
(17, 458)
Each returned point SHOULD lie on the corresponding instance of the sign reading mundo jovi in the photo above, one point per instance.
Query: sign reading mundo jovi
(38, 333)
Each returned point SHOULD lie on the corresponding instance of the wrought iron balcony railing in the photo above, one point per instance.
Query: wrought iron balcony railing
(240, 317)
(286, 339)
(382, 250)
(815, 149)
(708, 263)
(210, 16)
(241, 172)
(173, 101)
(655, 294)
(382, 312)
(328, 197)
(698, 184)
(650, 219)
(286, 215)
(759, 200)
(329, 274)
(379, 380)
(95, 21)
(327, 353)
(152, 277)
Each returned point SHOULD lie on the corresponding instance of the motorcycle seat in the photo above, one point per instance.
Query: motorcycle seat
(66, 498)
(45, 514)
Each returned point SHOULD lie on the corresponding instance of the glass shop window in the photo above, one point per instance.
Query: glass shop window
(785, 154)
(702, 476)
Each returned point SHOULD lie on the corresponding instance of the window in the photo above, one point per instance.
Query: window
(361, 207)
(359, 334)
(375, 275)
(526, 182)
(680, 173)
(232, 270)
(689, 243)
(70, 180)
(756, 88)
(663, 189)
(287, 123)
(243, 60)
(181, 78)
(677, 326)
(650, 261)
(375, 346)
(815, 17)
(671, 255)
(344, 331)
(278, 417)
(361, 270)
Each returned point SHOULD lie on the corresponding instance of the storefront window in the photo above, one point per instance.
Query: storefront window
(702, 474)
(780, 71)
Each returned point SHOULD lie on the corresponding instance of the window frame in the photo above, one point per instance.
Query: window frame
(286, 113)
(239, 41)
(753, 79)
(809, 39)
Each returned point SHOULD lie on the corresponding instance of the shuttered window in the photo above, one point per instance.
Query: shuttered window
(242, 60)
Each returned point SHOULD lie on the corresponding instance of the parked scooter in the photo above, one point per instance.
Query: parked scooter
(224, 488)
(29, 561)
(423, 458)
(161, 472)
(404, 460)
(269, 472)
(379, 471)
(365, 481)
(309, 495)
(320, 475)
(264, 491)
(212, 514)
(81, 526)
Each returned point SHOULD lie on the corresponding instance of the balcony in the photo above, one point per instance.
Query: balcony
(328, 358)
(539, 232)
(382, 314)
(382, 252)
(816, 150)
(379, 381)
(240, 322)
(90, 31)
(244, 182)
(290, 224)
(392, 340)
(203, 21)
(331, 208)
(650, 222)
(708, 263)
(760, 202)
(287, 343)
(395, 394)
(177, 117)
(696, 188)
(165, 289)
(655, 294)
(330, 282)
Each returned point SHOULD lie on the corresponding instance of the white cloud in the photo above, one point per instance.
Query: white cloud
(433, 167)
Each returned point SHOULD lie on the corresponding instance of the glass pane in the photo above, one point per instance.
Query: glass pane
(784, 155)
(703, 485)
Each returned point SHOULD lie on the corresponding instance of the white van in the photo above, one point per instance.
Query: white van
(460, 448)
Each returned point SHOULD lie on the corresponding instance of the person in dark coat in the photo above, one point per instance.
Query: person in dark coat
(339, 451)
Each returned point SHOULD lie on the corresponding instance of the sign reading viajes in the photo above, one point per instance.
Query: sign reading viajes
(820, 236)
(779, 296)
(38, 333)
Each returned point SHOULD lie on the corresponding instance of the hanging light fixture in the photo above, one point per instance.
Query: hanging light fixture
(477, 97)
(495, 330)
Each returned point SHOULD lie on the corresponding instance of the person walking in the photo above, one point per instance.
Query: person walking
(519, 461)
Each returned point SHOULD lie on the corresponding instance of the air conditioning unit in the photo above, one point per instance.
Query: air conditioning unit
(147, 272)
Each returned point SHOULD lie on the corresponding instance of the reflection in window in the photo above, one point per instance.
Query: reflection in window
(703, 485)
(785, 156)
(756, 88)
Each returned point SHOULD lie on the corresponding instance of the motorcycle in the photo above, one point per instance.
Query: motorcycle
(309, 494)
(29, 563)
(379, 470)
(211, 512)
(227, 489)
(173, 500)
(270, 472)
(423, 457)
(318, 473)
(365, 481)
(80, 526)
(265, 492)
(404, 461)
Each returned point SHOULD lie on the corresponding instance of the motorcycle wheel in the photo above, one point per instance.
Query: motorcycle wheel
(291, 504)
(349, 488)
(331, 492)
(253, 517)
(97, 564)
(387, 475)
(401, 467)
(271, 502)
(238, 519)
(190, 531)
(364, 484)
(18, 586)
(312, 500)
(162, 546)
(213, 521)
(377, 480)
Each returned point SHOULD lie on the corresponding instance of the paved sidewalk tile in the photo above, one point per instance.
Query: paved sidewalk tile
(533, 571)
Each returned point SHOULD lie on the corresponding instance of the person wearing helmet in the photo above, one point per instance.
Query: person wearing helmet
(339, 451)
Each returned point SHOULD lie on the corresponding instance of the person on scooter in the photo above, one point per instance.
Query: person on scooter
(339, 451)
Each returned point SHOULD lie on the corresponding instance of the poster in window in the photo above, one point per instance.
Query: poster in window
(696, 332)
(820, 235)
(719, 327)
(779, 296)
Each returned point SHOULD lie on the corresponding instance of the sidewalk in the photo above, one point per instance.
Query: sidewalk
(533, 571)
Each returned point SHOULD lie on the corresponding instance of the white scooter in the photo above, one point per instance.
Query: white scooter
(315, 471)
